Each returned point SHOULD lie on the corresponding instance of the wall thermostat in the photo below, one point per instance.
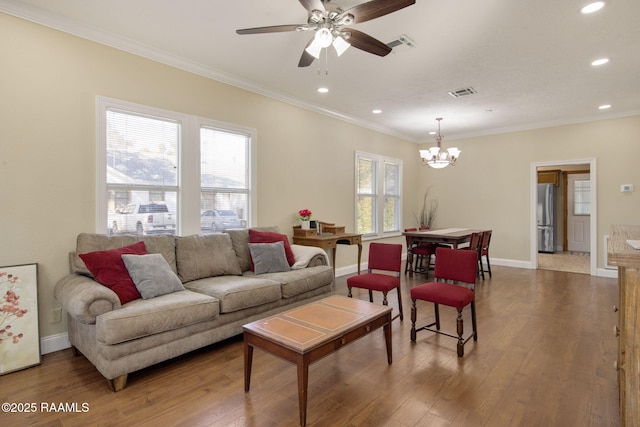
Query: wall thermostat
(626, 188)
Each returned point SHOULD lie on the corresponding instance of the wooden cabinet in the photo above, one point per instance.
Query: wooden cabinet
(628, 328)
(549, 177)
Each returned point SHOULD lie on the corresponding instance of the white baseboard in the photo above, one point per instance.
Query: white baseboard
(607, 272)
(54, 343)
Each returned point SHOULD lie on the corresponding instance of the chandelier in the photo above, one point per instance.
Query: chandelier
(438, 158)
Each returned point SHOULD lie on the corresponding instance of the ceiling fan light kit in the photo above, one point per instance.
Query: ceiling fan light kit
(328, 24)
(438, 158)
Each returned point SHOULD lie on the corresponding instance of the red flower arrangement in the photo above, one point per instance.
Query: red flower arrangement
(304, 214)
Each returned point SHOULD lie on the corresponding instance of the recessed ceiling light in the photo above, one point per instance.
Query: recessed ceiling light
(323, 89)
(600, 61)
(376, 111)
(604, 107)
(592, 7)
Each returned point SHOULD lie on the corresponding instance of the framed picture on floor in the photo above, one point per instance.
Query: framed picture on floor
(19, 330)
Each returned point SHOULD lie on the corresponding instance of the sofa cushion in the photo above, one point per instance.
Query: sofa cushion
(90, 242)
(199, 256)
(257, 236)
(152, 275)
(296, 282)
(268, 257)
(240, 240)
(109, 270)
(141, 318)
(238, 292)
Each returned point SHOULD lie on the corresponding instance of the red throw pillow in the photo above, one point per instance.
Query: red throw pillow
(256, 236)
(109, 270)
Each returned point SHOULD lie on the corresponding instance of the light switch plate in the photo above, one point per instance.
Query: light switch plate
(626, 188)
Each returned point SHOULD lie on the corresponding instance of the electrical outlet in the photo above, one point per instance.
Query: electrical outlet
(56, 315)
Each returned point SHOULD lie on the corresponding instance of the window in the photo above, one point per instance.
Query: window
(378, 195)
(582, 197)
(224, 179)
(141, 168)
(146, 181)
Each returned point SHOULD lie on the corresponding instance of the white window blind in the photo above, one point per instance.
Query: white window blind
(141, 172)
(224, 179)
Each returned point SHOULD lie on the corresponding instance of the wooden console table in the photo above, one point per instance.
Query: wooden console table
(330, 241)
(628, 328)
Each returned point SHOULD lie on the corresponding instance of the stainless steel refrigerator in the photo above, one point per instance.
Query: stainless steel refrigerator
(547, 218)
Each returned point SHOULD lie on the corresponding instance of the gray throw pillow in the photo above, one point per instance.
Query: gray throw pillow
(152, 275)
(268, 257)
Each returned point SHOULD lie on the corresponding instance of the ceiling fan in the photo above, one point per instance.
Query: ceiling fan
(329, 26)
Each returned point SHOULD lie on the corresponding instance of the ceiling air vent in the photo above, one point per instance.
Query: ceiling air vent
(462, 92)
(401, 40)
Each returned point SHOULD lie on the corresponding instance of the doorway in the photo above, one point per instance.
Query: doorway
(576, 218)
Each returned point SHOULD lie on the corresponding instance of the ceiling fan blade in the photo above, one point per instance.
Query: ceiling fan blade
(375, 9)
(306, 59)
(272, 29)
(312, 5)
(365, 42)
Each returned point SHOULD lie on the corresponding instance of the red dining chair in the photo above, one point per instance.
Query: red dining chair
(419, 252)
(382, 257)
(475, 244)
(457, 266)
(484, 252)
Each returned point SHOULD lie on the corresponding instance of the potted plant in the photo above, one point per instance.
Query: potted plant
(428, 212)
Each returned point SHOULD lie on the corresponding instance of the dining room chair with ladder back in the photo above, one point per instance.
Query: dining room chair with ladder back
(383, 273)
(419, 253)
(484, 252)
(475, 244)
(455, 269)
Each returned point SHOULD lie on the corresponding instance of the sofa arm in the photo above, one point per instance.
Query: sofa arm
(317, 260)
(308, 256)
(84, 298)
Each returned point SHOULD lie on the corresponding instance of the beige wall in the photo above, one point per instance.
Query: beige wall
(48, 87)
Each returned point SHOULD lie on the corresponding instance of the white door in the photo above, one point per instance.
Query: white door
(579, 212)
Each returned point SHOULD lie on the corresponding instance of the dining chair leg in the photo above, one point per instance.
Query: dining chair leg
(460, 329)
(436, 310)
(349, 293)
(488, 266)
(473, 321)
(400, 304)
(370, 295)
(413, 319)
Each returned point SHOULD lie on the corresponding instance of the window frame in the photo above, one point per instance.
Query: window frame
(379, 195)
(189, 189)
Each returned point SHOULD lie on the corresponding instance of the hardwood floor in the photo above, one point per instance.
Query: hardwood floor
(544, 357)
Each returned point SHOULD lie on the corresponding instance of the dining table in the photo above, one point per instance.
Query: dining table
(445, 236)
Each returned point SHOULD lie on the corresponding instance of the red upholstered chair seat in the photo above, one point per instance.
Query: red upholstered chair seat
(375, 282)
(443, 293)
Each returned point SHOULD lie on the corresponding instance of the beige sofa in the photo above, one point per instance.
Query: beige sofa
(221, 293)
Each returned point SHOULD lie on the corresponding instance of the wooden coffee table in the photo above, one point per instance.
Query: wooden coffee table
(312, 331)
